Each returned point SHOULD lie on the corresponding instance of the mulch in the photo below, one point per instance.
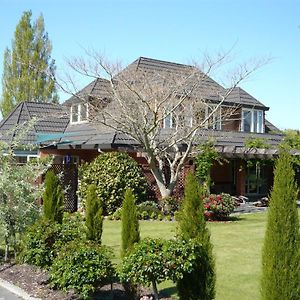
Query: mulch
(35, 282)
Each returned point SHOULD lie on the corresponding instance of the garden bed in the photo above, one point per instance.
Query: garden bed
(34, 281)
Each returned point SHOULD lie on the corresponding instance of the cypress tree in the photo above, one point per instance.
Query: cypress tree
(280, 254)
(94, 217)
(28, 68)
(130, 223)
(53, 198)
(199, 284)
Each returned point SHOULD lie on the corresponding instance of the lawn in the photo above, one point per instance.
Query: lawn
(237, 246)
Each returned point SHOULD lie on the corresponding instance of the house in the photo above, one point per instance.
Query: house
(74, 138)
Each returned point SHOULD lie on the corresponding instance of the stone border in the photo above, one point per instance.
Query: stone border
(16, 290)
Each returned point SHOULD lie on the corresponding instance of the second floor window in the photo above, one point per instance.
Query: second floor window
(252, 120)
(208, 116)
(79, 112)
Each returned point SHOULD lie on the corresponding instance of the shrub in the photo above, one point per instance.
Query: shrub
(200, 282)
(94, 218)
(113, 173)
(155, 260)
(218, 207)
(42, 240)
(169, 205)
(82, 267)
(280, 255)
(53, 198)
(130, 223)
(38, 243)
(148, 210)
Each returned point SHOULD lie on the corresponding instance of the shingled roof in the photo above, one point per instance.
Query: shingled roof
(208, 88)
(49, 118)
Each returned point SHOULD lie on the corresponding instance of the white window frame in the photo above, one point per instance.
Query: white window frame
(254, 128)
(79, 107)
(215, 116)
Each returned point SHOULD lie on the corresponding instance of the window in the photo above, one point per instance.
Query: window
(187, 117)
(252, 120)
(214, 121)
(79, 113)
(212, 116)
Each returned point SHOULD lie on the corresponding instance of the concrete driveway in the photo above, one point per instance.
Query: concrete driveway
(6, 295)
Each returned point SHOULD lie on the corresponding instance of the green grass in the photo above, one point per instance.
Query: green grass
(237, 247)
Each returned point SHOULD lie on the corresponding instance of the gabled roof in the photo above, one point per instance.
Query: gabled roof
(49, 118)
(100, 88)
(241, 97)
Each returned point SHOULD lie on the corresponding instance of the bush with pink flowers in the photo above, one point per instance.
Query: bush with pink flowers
(218, 207)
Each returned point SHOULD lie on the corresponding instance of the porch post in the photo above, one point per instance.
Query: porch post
(240, 177)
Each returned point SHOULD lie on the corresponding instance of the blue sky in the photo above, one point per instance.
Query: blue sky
(178, 31)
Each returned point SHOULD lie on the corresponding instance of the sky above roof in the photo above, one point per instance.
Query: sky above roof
(178, 31)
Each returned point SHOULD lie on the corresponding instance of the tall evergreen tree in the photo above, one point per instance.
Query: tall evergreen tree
(53, 198)
(94, 217)
(199, 284)
(130, 223)
(28, 67)
(280, 255)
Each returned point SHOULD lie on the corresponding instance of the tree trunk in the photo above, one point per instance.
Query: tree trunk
(155, 291)
(161, 184)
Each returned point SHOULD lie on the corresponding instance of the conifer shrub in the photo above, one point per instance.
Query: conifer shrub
(280, 254)
(113, 173)
(130, 223)
(200, 283)
(53, 198)
(93, 217)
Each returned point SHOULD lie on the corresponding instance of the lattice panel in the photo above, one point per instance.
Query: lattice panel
(154, 191)
(68, 175)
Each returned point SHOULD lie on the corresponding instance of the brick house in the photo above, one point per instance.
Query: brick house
(66, 132)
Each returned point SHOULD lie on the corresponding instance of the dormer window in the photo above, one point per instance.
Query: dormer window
(79, 113)
(252, 120)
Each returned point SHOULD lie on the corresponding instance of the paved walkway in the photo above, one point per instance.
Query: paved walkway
(6, 295)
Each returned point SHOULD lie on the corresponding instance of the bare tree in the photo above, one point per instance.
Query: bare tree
(164, 109)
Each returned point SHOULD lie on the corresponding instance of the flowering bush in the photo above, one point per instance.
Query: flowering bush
(218, 207)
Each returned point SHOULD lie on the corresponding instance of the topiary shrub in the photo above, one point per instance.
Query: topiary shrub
(218, 207)
(82, 267)
(113, 173)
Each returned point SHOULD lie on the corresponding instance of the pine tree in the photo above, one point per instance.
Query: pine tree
(53, 198)
(280, 255)
(199, 284)
(94, 217)
(28, 67)
(130, 223)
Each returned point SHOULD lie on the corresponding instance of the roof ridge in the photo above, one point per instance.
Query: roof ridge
(11, 113)
(164, 61)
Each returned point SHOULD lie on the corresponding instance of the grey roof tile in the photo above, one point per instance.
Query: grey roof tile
(50, 118)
